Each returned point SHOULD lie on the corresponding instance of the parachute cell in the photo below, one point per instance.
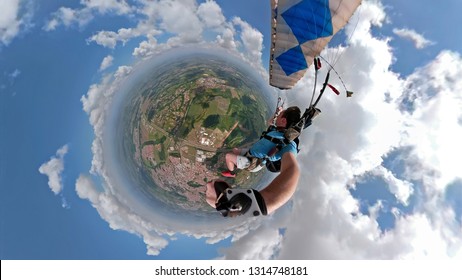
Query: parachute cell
(300, 31)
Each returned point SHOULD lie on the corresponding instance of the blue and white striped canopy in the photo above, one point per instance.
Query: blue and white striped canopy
(300, 31)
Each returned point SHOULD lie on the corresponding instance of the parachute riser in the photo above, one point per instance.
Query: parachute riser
(317, 66)
(279, 105)
(326, 82)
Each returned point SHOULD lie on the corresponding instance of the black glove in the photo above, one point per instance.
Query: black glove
(239, 203)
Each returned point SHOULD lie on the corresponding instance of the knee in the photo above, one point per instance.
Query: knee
(229, 157)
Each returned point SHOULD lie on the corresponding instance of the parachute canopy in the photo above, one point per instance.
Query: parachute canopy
(300, 31)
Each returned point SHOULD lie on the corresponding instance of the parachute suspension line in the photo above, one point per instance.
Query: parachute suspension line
(357, 22)
(348, 40)
(338, 75)
(335, 57)
(339, 53)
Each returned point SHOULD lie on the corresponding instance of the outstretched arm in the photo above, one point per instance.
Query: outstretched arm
(281, 189)
(276, 194)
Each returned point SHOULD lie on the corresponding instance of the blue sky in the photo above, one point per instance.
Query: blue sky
(381, 178)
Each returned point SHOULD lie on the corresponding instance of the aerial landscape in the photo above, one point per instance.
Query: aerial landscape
(184, 119)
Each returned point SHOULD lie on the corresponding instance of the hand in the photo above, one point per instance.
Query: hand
(213, 190)
(238, 205)
(216, 196)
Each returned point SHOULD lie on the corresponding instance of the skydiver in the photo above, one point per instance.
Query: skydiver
(270, 147)
(233, 202)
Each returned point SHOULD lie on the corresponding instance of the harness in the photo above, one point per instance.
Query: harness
(275, 166)
(279, 144)
(291, 134)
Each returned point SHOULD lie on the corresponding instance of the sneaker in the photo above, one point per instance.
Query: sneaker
(228, 174)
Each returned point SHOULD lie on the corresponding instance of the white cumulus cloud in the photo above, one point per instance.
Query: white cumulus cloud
(106, 63)
(211, 14)
(54, 168)
(15, 16)
(419, 41)
(197, 20)
(402, 189)
(86, 13)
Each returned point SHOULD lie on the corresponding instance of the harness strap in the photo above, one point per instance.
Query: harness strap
(277, 141)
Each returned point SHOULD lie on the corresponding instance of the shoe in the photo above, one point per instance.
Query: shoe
(228, 174)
